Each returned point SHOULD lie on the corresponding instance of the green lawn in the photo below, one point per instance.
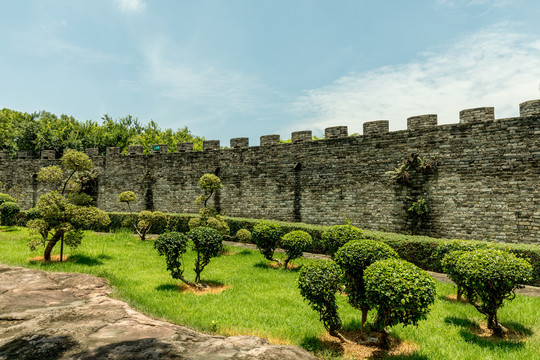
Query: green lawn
(266, 302)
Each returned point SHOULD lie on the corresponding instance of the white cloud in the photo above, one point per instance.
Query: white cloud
(131, 5)
(209, 92)
(491, 68)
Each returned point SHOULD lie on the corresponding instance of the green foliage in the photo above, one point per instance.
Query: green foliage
(210, 218)
(318, 283)
(43, 131)
(8, 211)
(148, 220)
(32, 213)
(6, 198)
(353, 258)
(243, 235)
(401, 292)
(76, 161)
(50, 174)
(336, 236)
(490, 277)
(86, 217)
(127, 197)
(401, 174)
(294, 243)
(80, 199)
(173, 245)
(209, 183)
(419, 208)
(266, 235)
(207, 242)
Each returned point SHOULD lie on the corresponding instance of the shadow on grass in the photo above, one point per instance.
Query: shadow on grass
(473, 333)
(273, 266)
(167, 287)
(89, 260)
(315, 345)
(8, 228)
(383, 354)
(244, 252)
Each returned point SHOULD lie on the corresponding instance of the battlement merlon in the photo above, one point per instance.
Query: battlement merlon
(376, 127)
(240, 143)
(301, 136)
(422, 122)
(211, 145)
(267, 140)
(477, 114)
(336, 132)
(529, 108)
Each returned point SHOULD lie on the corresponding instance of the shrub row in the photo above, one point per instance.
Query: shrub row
(419, 250)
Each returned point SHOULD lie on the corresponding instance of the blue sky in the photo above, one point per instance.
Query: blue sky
(249, 68)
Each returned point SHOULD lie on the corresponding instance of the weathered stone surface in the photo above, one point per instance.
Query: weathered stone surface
(487, 184)
(50, 316)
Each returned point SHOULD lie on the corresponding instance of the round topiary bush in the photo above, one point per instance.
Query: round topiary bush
(173, 246)
(490, 277)
(353, 258)
(127, 197)
(207, 242)
(6, 198)
(266, 235)
(294, 243)
(336, 236)
(449, 251)
(8, 212)
(243, 235)
(318, 283)
(32, 213)
(401, 292)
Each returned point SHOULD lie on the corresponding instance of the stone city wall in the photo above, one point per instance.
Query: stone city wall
(487, 184)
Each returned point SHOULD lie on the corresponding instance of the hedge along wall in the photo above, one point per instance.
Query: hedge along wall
(487, 184)
(420, 250)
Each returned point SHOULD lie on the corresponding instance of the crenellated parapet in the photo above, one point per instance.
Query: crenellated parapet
(370, 128)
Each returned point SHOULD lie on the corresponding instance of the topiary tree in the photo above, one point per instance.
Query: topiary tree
(353, 258)
(401, 292)
(62, 221)
(209, 183)
(266, 235)
(243, 235)
(6, 198)
(318, 283)
(207, 242)
(8, 212)
(146, 220)
(210, 218)
(491, 276)
(173, 245)
(448, 262)
(336, 236)
(294, 243)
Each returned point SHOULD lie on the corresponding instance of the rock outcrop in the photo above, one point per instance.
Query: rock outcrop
(49, 316)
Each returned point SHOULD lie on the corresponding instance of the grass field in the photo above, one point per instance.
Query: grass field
(265, 302)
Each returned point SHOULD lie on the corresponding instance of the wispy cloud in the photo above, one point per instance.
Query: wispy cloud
(202, 89)
(131, 5)
(491, 68)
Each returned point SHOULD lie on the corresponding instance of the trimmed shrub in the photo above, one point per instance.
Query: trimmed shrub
(173, 245)
(353, 258)
(294, 243)
(32, 214)
(148, 220)
(6, 198)
(318, 283)
(8, 212)
(490, 277)
(266, 235)
(336, 236)
(449, 251)
(207, 242)
(401, 292)
(243, 235)
(127, 197)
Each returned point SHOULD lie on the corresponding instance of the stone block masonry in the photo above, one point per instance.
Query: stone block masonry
(487, 185)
